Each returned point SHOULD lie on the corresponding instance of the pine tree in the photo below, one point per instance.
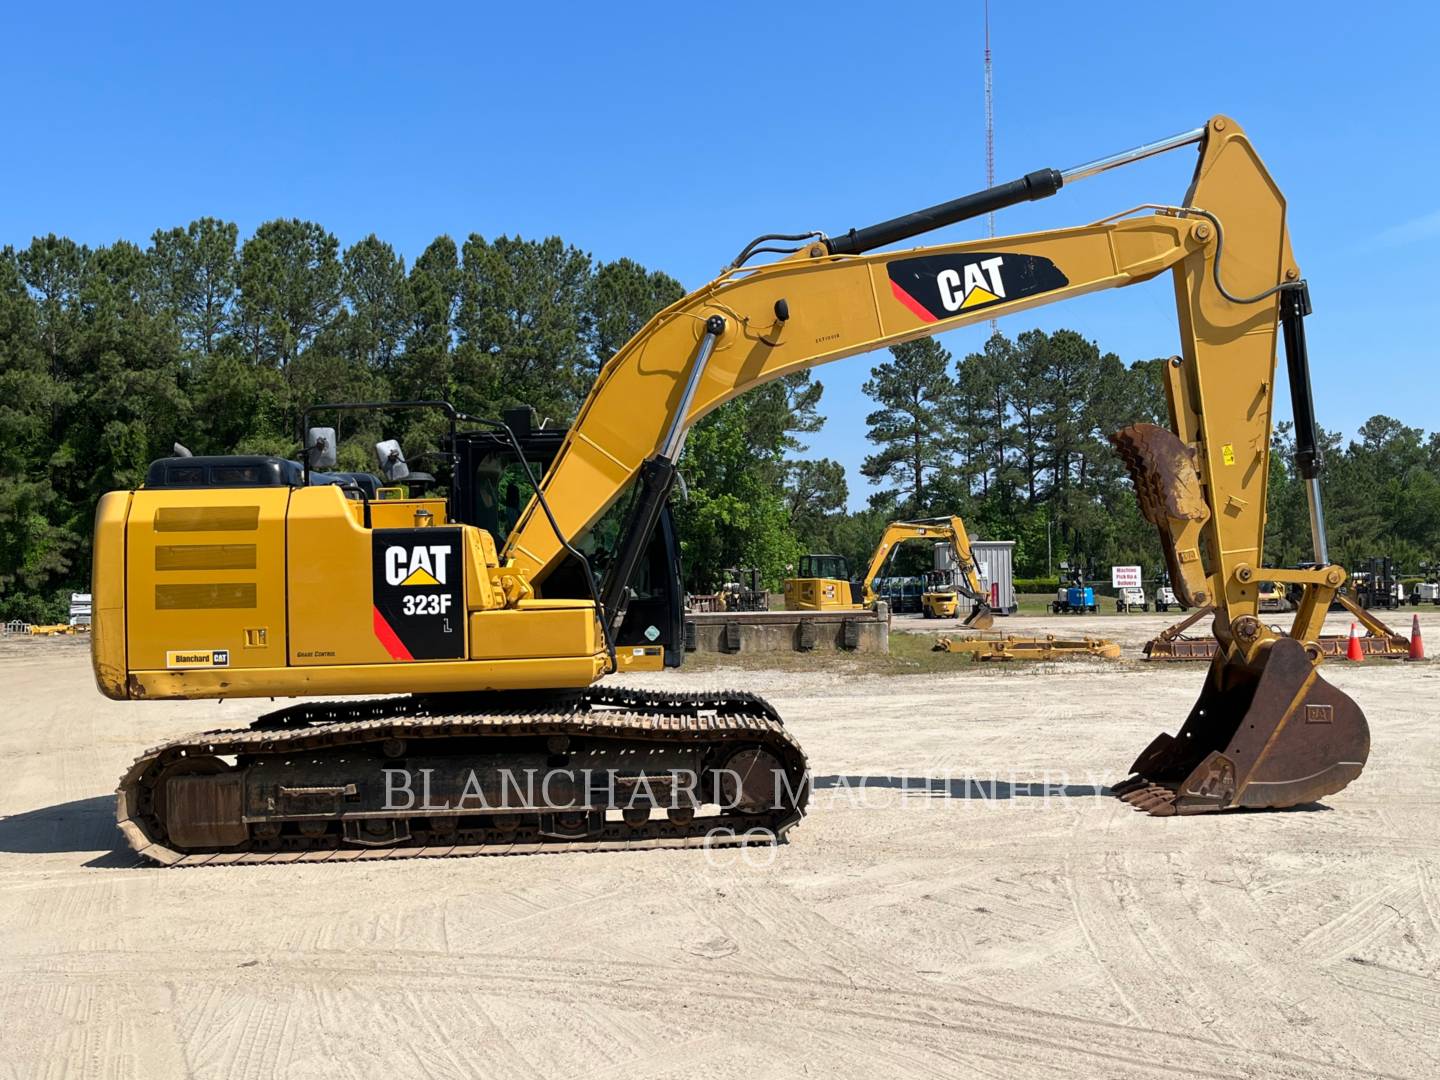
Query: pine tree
(914, 426)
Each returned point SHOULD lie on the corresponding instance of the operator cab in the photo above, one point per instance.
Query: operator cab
(491, 490)
(825, 566)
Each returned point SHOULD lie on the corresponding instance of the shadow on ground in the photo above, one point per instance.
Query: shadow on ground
(993, 790)
(960, 788)
(82, 825)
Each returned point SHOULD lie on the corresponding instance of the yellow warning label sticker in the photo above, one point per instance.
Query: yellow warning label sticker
(197, 658)
(1227, 453)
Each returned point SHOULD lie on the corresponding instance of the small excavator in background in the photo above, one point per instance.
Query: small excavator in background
(823, 585)
(494, 636)
(940, 599)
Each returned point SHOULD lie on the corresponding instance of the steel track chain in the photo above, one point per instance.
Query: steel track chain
(614, 713)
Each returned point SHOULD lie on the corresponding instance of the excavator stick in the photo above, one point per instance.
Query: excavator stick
(1272, 735)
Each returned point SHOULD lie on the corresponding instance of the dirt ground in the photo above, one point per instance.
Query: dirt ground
(959, 900)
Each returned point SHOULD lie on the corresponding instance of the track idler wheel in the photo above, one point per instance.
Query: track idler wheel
(1273, 736)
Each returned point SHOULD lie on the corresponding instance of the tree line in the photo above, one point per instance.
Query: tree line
(109, 355)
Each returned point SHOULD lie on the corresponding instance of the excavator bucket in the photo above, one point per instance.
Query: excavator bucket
(1274, 735)
(981, 617)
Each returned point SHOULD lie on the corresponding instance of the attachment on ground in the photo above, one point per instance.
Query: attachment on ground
(1013, 647)
(1380, 642)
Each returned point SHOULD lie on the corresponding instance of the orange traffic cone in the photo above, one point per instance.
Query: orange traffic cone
(1417, 647)
(1353, 651)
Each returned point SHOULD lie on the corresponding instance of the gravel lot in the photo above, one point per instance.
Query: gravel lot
(1018, 925)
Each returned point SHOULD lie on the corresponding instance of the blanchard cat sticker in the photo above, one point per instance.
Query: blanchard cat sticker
(936, 287)
(419, 605)
(197, 658)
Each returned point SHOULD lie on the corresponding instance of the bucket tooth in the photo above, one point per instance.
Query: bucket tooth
(1152, 797)
(1268, 736)
(1124, 788)
(1161, 804)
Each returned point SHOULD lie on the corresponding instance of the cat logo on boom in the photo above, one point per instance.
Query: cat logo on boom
(936, 287)
(977, 283)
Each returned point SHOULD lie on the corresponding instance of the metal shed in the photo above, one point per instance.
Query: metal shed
(996, 562)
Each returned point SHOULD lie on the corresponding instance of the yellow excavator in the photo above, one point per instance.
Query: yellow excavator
(221, 588)
(823, 583)
(938, 600)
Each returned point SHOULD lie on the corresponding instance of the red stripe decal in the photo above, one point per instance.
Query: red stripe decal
(393, 645)
(910, 302)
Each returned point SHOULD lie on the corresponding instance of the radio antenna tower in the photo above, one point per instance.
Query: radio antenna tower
(989, 135)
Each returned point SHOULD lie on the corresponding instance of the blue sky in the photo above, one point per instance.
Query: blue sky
(672, 134)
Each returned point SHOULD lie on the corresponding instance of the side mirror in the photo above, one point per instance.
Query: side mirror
(392, 460)
(320, 447)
